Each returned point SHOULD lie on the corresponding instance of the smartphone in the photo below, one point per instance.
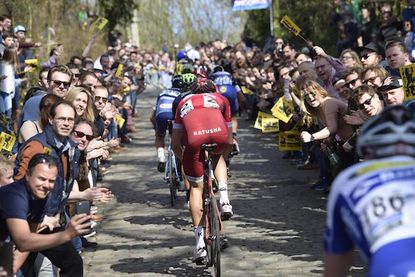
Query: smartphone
(83, 207)
(6, 257)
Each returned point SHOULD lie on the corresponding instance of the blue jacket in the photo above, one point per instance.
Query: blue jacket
(67, 150)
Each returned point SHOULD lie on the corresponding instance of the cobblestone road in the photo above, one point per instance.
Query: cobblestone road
(276, 230)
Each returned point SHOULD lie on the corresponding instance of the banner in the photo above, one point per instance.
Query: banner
(241, 5)
(283, 109)
(408, 81)
(266, 123)
(270, 125)
(99, 24)
(289, 141)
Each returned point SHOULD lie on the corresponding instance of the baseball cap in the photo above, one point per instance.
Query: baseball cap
(19, 28)
(391, 82)
(371, 46)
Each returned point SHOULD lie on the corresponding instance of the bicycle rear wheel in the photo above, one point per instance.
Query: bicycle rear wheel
(214, 237)
(172, 180)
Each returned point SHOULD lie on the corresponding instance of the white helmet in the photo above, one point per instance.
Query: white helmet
(390, 133)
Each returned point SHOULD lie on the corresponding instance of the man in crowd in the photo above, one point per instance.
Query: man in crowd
(392, 91)
(21, 209)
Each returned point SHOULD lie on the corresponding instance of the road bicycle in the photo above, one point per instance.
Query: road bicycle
(211, 220)
(171, 171)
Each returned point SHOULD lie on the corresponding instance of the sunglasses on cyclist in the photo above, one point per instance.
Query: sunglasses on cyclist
(59, 83)
(98, 98)
(367, 102)
(80, 134)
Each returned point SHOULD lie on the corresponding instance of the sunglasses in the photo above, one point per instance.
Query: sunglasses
(80, 134)
(352, 82)
(98, 98)
(60, 83)
(366, 56)
(370, 80)
(367, 102)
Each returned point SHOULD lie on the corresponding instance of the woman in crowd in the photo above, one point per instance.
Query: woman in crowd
(329, 112)
(81, 99)
(350, 58)
(33, 127)
(7, 83)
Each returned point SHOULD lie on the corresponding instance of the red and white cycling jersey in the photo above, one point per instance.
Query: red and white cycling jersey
(203, 117)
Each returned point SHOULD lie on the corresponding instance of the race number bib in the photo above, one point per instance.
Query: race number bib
(386, 208)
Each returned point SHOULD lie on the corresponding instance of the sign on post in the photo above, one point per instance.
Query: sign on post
(408, 81)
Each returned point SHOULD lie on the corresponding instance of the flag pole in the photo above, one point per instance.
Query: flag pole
(271, 18)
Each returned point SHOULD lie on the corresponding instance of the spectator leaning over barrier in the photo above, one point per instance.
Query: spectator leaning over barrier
(21, 209)
(55, 141)
(329, 112)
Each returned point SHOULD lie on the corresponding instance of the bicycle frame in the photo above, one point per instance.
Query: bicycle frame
(211, 220)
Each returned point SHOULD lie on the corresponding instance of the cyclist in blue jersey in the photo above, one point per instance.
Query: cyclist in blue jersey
(162, 112)
(372, 204)
(228, 88)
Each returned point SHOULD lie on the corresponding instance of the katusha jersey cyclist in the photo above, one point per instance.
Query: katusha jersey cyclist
(162, 113)
(372, 204)
(203, 117)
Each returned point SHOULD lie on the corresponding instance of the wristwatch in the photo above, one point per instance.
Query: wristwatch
(311, 138)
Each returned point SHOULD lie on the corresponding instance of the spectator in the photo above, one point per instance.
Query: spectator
(7, 80)
(20, 206)
(350, 58)
(81, 99)
(370, 54)
(6, 171)
(392, 91)
(396, 56)
(374, 76)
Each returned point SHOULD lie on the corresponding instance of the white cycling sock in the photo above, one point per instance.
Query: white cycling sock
(160, 154)
(200, 243)
(223, 190)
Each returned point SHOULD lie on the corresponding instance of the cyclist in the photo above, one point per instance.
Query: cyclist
(162, 112)
(230, 90)
(371, 204)
(202, 117)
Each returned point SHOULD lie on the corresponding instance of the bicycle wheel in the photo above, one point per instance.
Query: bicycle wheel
(172, 180)
(214, 237)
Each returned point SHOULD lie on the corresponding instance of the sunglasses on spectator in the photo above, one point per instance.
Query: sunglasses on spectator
(367, 102)
(80, 134)
(59, 83)
(352, 82)
(366, 56)
(98, 98)
(370, 80)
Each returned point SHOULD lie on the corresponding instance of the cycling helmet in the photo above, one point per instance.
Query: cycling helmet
(182, 54)
(218, 68)
(177, 81)
(390, 133)
(188, 80)
(204, 85)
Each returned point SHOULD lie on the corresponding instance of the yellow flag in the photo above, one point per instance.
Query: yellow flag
(283, 109)
(120, 121)
(289, 141)
(290, 25)
(7, 141)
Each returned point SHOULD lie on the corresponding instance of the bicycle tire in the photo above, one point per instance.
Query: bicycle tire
(214, 234)
(172, 180)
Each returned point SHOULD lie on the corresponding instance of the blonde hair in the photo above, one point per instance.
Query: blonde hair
(89, 111)
(5, 164)
(354, 55)
(316, 88)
